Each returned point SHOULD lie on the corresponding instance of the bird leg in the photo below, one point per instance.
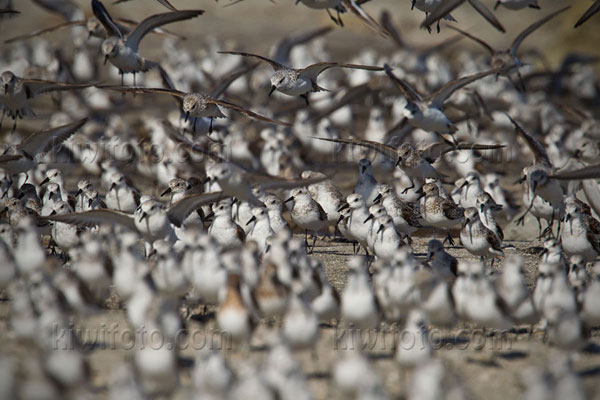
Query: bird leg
(438, 26)
(2, 118)
(412, 185)
(449, 239)
(305, 97)
(134, 82)
(210, 126)
(121, 73)
(306, 239)
(312, 249)
(332, 17)
(339, 18)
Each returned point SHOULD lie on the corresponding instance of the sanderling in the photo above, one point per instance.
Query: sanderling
(439, 212)
(387, 240)
(326, 194)
(260, 231)
(298, 82)
(357, 222)
(438, 9)
(486, 207)
(442, 263)
(122, 51)
(226, 232)
(576, 237)
(477, 238)
(307, 213)
(406, 216)
(514, 292)
(359, 306)
(275, 209)
(120, 195)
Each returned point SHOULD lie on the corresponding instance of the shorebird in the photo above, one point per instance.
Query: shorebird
(486, 207)
(415, 162)
(477, 238)
(199, 105)
(233, 317)
(406, 216)
(15, 93)
(438, 9)
(121, 50)
(226, 233)
(120, 195)
(341, 6)
(442, 263)
(357, 224)
(387, 240)
(507, 60)
(359, 305)
(513, 290)
(298, 82)
(366, 184)
(576, 236)
(307, 213)
(326, 194)
(439, 212)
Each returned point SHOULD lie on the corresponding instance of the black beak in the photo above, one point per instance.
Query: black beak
(497, 5)
(567, 217)
(78, 192)
(377, 199)
(412, 6)
(90, 33)
(370, 217)
(544, 251)
(209, 215)
(5, 88)
(520, 180)
(112, 187)
(363, 169)
(290, 199)
(187, 116)
(42, 183)
(481, 207)
(399, 161)
(105, 59)
(142, 216)
(534, 186)
(339, 219)
(343, 207)
(53, 212)
(273, 88)
(381, 227)
(167, 191)
(90, 201)
(464, 184)
(251, 220)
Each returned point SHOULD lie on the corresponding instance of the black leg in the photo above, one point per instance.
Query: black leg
(121, 73)
(15, 124)
(412, 185)
(438, 26)
(449, 239)
(134, 79)
(332, 17)
(306, 239)
(2, 118)
(339, 18)
(305, 97)
(312, 250)
(210, 126)
(194, 126)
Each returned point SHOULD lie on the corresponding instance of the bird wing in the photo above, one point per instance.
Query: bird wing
(43, 141)
(37, 86)
(163, 2)
(68, 9)
(594, 8)
(4, 158)
(105, 19)
(268, 182)
(285, 46)
(247, 112)
(150, 23)
(95, 217)
(519, 39)
(274, 64)
(229, 79)
(589, 172)
(364, 17)
(384, 149)
(142, 90)
(538, 149)
(483, 43)
(451, 210)
(441, 11)
(407, 91)
(180, 210)
(438, 98)
(434, 151)
(391, 29)
(44, 31)
(487, 14)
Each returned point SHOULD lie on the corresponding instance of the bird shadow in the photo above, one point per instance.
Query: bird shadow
(513, 355)
(591, 348)
(486, 363)
(590, 371)
(318, 375)
(185, 362)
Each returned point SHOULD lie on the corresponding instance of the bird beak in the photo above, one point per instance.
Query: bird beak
(381, 227)
(42, 183)
(90, 201)
(497, 5)
(187, 116)
(105, 59)
(481, 207)
(112, 187)
(167, 191)
(290, 199)
(273, 88)
(544, 251)
(53, 212)
(209, 215)
(76, 194)
(207, 179)
(343, 207)
(533, 186)
(377, 199)
(90, 33)
(142, 216)
(370, 217)
(520, 180)
(567, 217)
(251, 220)
(399, 161)
(339, 219)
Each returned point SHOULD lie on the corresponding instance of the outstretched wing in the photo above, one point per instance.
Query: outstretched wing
(285, 46)
(179, 211)
(484, 44)
(247, 112)
(531, 28)
(589, 172)
(274, 64)
(44, 31)
(142, 90)
(435, 150)
(538, 149)
(43, 141)
(487, 14)
(407, 91)
(95, 217)
(228, 80)
(594, 8)
(384, 149)
(105, 19)
(438, 98)
(150, 23)
(163, 2)
(37, 86)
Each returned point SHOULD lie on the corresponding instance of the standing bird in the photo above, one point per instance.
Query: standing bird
(307, 213)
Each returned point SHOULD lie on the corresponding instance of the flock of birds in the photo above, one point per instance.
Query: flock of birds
(175, 207)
